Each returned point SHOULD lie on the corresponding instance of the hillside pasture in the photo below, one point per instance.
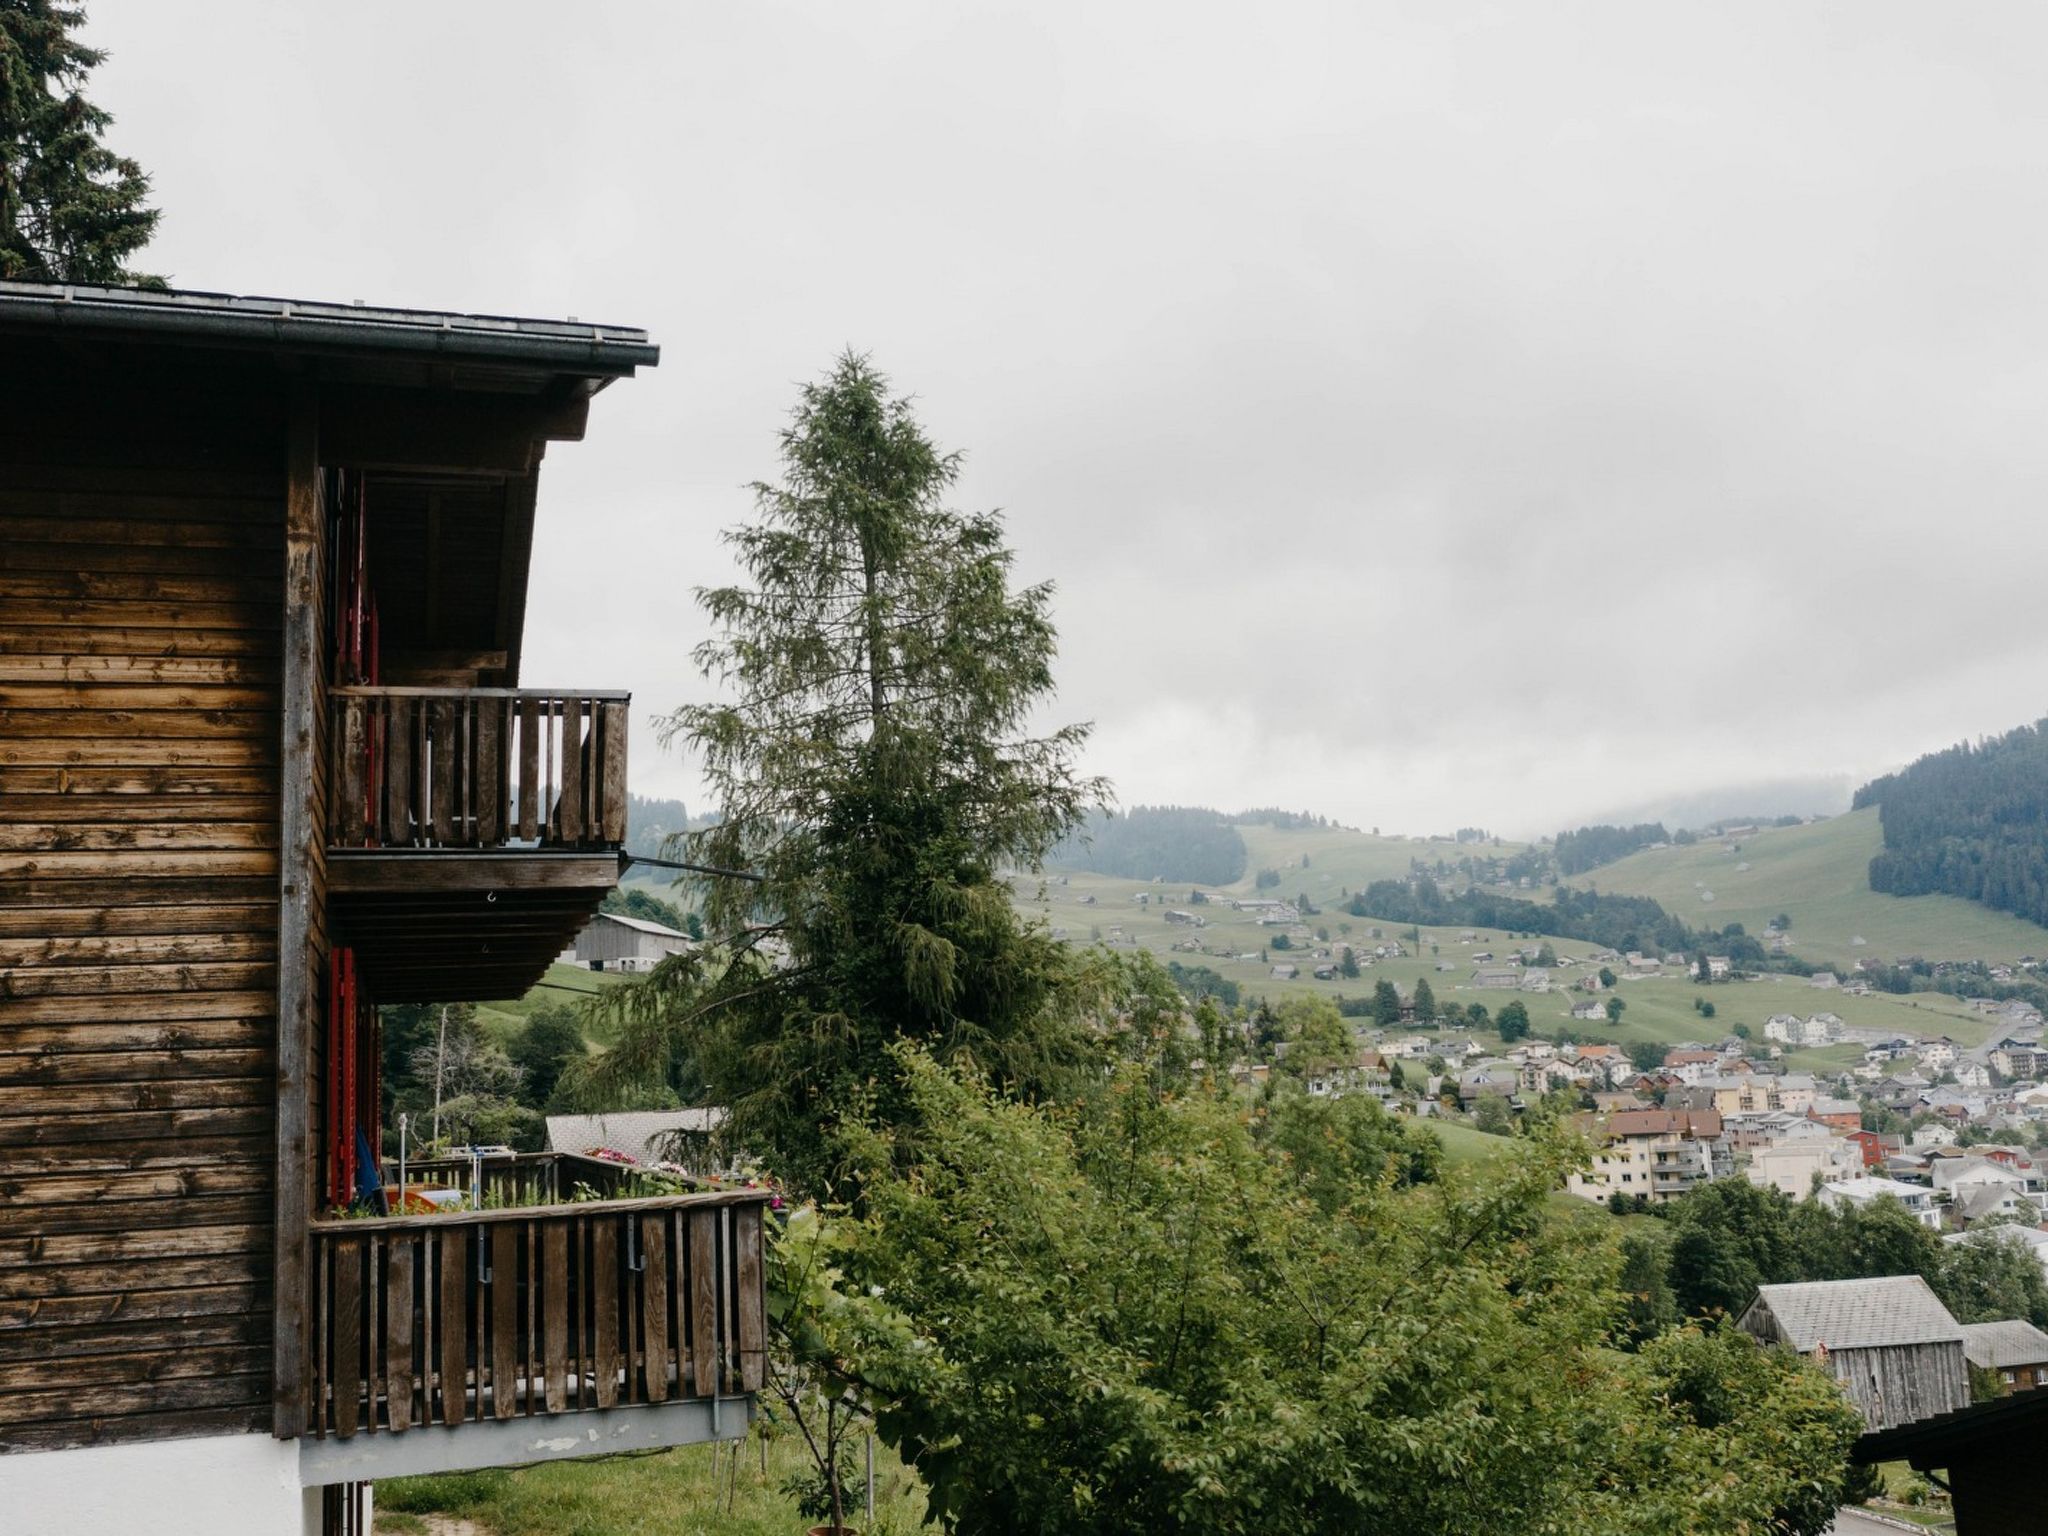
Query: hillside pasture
(1818, 875)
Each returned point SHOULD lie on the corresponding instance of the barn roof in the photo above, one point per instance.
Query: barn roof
(1860, 1314)
(642, 925)
(2011, 1342)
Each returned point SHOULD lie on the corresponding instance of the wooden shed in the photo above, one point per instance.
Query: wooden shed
(1890, 1342)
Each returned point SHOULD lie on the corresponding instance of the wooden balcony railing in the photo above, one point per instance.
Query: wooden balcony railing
(477, 768)
(558, 1309)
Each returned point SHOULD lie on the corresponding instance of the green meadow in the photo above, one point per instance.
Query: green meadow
(1818, 876)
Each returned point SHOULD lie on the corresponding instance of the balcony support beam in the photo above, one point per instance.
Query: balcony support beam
(428, 1449)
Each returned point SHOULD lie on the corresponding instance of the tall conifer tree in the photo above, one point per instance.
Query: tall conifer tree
(71, 210)
(877, 783)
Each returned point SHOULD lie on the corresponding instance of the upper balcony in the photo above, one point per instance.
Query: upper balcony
(471, 832)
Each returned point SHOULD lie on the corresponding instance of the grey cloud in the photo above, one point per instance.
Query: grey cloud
(1430, 413)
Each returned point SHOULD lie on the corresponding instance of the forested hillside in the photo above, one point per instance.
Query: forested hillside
(650, 822)
(1590, 847)
(1181, 843)
(1969, 822)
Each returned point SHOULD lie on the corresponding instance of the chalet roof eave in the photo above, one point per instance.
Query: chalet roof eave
(1932, 1442)
(596, 353)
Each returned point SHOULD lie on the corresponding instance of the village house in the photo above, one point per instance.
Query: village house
(1871, 1144)
(1659, 1154)
(1836, 1114)
(1856, 1192)
(1792, 1165)
(1497, 977)
(1936, 1055)
(1890, 1343)
(2014, 1352)
(276, 633)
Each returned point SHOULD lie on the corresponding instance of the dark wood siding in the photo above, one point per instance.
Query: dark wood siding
(141, 565)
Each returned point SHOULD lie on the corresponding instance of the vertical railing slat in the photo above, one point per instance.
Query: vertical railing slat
(612, 754)
(529, 767)
(605, 1305)
(704, 1300)
(346, 1380)
(454, 1337)
(398, 775)
(398, 1333)
(443, 791)
(346, 786)
(489, 769)
(753, 1321)
(554, 1285)
(504, 1320)
(654, 1297)
(572, 770)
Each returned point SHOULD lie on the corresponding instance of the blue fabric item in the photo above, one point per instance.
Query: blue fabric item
(369, 1182)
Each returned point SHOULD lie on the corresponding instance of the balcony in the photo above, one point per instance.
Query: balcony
(471, 832)
(496, 1337)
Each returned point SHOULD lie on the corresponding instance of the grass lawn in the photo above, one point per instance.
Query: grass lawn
(564, 985)
(1464, 1144)
(674, 1493)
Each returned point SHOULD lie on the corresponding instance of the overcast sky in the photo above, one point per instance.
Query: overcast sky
(1430, 414)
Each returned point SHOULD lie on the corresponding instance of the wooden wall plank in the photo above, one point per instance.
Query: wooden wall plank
(300, 900)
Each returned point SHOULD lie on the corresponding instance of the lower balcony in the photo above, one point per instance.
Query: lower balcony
(501, 1337)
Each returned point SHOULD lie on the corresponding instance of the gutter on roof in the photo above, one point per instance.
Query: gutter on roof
(605, 351)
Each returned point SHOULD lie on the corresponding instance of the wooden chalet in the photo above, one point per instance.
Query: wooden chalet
(267, 760)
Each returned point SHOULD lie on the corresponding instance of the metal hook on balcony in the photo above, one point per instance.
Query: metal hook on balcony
(486, 1272)
(635, 1260)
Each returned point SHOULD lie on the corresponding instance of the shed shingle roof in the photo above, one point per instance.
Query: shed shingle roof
(640, 1134)
(1860, 1314)
(1995, 1346)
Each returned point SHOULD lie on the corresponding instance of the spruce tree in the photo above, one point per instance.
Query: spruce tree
(876, 784)
(71, 210)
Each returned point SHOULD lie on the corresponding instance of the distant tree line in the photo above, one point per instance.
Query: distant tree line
(1286, 821)
(1199, 981)
(1617, 922)
(1590, 847)
(650, 823)
(1180, 843)
(1971, 821)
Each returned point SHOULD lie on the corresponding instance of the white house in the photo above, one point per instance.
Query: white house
(1861, 1192)
(1791, 1165)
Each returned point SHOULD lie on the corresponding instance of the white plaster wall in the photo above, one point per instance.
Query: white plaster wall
(227, 1485)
